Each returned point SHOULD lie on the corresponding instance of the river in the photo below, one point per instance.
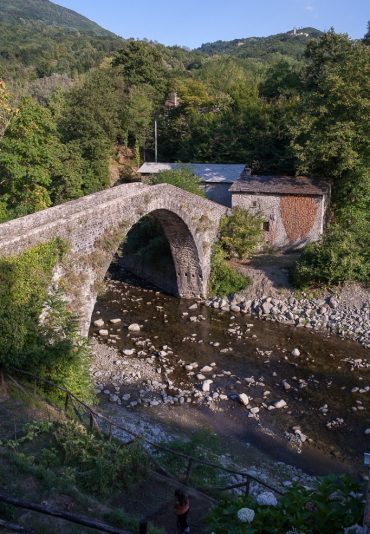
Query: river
(326, 388)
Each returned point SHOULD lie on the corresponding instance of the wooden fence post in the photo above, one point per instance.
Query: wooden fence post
(66, 402)
(247, 485)
(188, 470)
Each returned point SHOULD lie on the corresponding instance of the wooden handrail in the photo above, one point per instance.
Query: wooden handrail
(190, 459)
(49, 510)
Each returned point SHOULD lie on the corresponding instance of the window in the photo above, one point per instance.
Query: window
(266, 226)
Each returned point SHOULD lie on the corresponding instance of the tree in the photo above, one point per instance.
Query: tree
(241, 234)
(5, 108)
(182, 178)
(141, 64)
(27, 153)
(333, 119)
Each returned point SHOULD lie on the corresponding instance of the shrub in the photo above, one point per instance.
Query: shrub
(53, 347)
(241, 233)
(223, 279)
(182, 178)
(329, 508)
(99, 465)
(343, 254)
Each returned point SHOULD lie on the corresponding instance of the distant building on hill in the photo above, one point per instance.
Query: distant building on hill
(214, 178)
(294, 209)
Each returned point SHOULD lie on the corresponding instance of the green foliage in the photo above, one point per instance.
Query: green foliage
(67, 451)
(51, 347)
(99, 465)
(24, 281)
(182, 178)
(203, 445)
(329, 508)
(141, 63)
(263, 48)
(223, 279)
(342, 254)
(27, 151)
(5, 108)
(241, 234)
(333, 121)
(49, 13)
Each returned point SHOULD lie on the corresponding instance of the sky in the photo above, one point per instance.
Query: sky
(193, 22)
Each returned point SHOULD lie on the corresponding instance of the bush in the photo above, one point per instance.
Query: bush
(52, 348)
(241, 233)
(329, 508)
(343, 254)
(223, 279)
(99, 465)
(204, 445)
(182, 178)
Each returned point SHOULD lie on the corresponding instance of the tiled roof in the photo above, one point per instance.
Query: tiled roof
(287, 185)
(207, 172)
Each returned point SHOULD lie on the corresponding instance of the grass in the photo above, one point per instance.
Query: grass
(50, 459)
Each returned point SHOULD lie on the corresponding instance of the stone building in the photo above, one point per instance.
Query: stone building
(214, 178)
(293, 208)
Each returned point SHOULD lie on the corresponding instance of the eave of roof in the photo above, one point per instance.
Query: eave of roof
(284, 185)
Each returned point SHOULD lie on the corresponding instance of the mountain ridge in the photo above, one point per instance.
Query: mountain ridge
(50, 13)
(292, 42)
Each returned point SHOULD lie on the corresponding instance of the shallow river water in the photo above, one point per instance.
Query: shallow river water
(326, 388)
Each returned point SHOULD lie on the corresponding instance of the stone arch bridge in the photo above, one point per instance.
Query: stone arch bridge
(94, 227)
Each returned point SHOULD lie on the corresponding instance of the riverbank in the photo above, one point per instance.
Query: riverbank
(343, 311)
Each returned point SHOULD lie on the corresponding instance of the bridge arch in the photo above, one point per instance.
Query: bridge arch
(94, 227)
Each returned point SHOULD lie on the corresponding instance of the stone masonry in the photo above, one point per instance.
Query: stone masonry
(94, 227)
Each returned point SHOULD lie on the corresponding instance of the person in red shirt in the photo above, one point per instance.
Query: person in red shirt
(182, 508)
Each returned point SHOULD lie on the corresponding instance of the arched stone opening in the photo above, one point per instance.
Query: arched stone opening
(161, 250)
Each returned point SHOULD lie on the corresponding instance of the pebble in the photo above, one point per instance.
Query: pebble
(99, 323)
(206, 386)
(134, 327)
(280, 404)
(103, 332)
(244, 399)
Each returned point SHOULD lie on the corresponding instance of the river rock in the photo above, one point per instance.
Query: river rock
(193, 307)
(244, 399)
(206, 386)
(206, 369)
(99, 323)
(115, 321)
(254, 410)
(103, 332)
(134, 327)
(200, 377)
(266, 308)
(296, 352)
(280, 404)
(128, 352)
(266, 498)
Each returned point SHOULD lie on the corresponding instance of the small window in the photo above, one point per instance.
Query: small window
(266, 226)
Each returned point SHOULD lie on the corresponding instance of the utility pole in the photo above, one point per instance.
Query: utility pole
(155, 141)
